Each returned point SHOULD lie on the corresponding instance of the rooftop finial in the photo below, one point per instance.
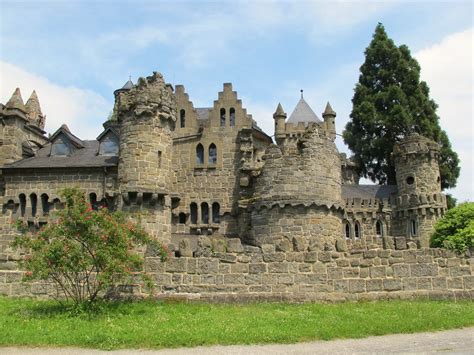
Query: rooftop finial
(130, 77)
(301, 93)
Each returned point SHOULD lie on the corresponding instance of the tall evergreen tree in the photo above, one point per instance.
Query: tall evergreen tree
(389, 102)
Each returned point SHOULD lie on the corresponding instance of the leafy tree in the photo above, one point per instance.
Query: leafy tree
(389, 102)
(85, 252)
(456, 229)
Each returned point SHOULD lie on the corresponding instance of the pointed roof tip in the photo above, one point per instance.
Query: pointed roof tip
(32, 106)
(16, 101)
(279, 109)
(129, 84)
(328, 110)
(303, 112)
(65, 127)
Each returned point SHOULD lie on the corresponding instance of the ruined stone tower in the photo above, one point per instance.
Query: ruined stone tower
(146, 115)
(420, 201)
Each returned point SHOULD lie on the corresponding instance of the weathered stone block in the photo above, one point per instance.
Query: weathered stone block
(257, 268)
(234, 245)
(268, 248)
(455, 282)
(175, 265)
(357, 286)
(392, 285)
(374, 285)
(239, 268)
(401, 270)
(341, 245)
(310, 256)
(274, 257)
(299, 244)
(400, 243)
(207, 266)
(377, 272)
(278, 267)
(424, 283)
(324, 256)
(226, 258)
(185, 249)
(424, 270)
(284, 245)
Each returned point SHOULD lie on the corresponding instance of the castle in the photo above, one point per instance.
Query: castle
(212, 171)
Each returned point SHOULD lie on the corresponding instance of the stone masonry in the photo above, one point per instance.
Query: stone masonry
(245, 216)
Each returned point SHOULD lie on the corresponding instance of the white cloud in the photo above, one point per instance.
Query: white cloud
(447, 69)
(83, 111)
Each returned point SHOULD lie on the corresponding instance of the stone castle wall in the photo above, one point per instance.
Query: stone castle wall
(236, 273)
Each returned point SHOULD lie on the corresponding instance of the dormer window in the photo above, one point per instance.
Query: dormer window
(109, 145)
(60, 148)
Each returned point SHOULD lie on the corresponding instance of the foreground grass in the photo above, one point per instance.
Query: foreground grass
(155, 325)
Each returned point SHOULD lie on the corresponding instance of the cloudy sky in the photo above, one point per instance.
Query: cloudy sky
(76, 53)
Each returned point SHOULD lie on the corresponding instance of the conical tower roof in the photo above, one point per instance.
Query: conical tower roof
(279, 111)
(303, 113)
(128, 85)
(328, 110)
(16, 102)
(33, 108)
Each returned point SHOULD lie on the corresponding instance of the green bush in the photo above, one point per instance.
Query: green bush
(456, 229)
(85, 252)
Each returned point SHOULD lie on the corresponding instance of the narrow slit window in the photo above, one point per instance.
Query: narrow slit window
(378, 229)
(357, 230)
(194, 213)
(45, 204)
(413, 228)
(347, 230)
(34, 204)
(204, 213)
(199, 154)
(159, 158)
(216, 213)
(232, 117)
(182, 118)
(222, 117)
(212, 154)
(22, 198)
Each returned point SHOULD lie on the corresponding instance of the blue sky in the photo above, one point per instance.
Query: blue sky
(75, 53)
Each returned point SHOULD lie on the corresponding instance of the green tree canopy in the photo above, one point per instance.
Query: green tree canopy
(389, 102)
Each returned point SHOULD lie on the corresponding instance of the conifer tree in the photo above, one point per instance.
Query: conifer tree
(389, 102)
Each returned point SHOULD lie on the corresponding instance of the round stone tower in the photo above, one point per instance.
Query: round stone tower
(298, 195)
(420, 202)
(146, 115)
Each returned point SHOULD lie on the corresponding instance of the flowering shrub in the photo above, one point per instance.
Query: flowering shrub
(85, 252)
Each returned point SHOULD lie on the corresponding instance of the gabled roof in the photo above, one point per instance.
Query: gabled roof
(107, 130)
(303, 113)
(203, 112)
(78, 143)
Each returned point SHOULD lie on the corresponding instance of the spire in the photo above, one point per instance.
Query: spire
(279, 111)
(328, 111)
(129, 84)
(303, 112)
(16, 102)
(33, 109)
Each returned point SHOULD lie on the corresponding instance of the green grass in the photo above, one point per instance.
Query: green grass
(156, 325)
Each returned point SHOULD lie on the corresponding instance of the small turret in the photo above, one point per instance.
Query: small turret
(420, 202)
(329, 116)
(15, 104)
(279, 116)
(33, 111)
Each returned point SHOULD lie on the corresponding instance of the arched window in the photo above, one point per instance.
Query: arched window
(357, 232)
(204, 213)
(413, 228)
(34, 204)
(222, 117)
(347, 230)
(194, 213)
(199, 154)
(22, 198)
(182, 218)
(45, 204)
(212, 154)
(232, 116)
(93, 200)
(378, 229)
(182, 118)
(216, 218)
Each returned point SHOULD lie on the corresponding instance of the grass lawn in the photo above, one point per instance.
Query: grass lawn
(156, 324)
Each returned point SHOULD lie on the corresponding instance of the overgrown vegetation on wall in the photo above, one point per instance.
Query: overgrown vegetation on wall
(456, 229)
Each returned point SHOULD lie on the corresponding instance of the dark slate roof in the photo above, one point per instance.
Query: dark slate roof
(83, 157)
(368, 191)
(128, 85)
(203, 112)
